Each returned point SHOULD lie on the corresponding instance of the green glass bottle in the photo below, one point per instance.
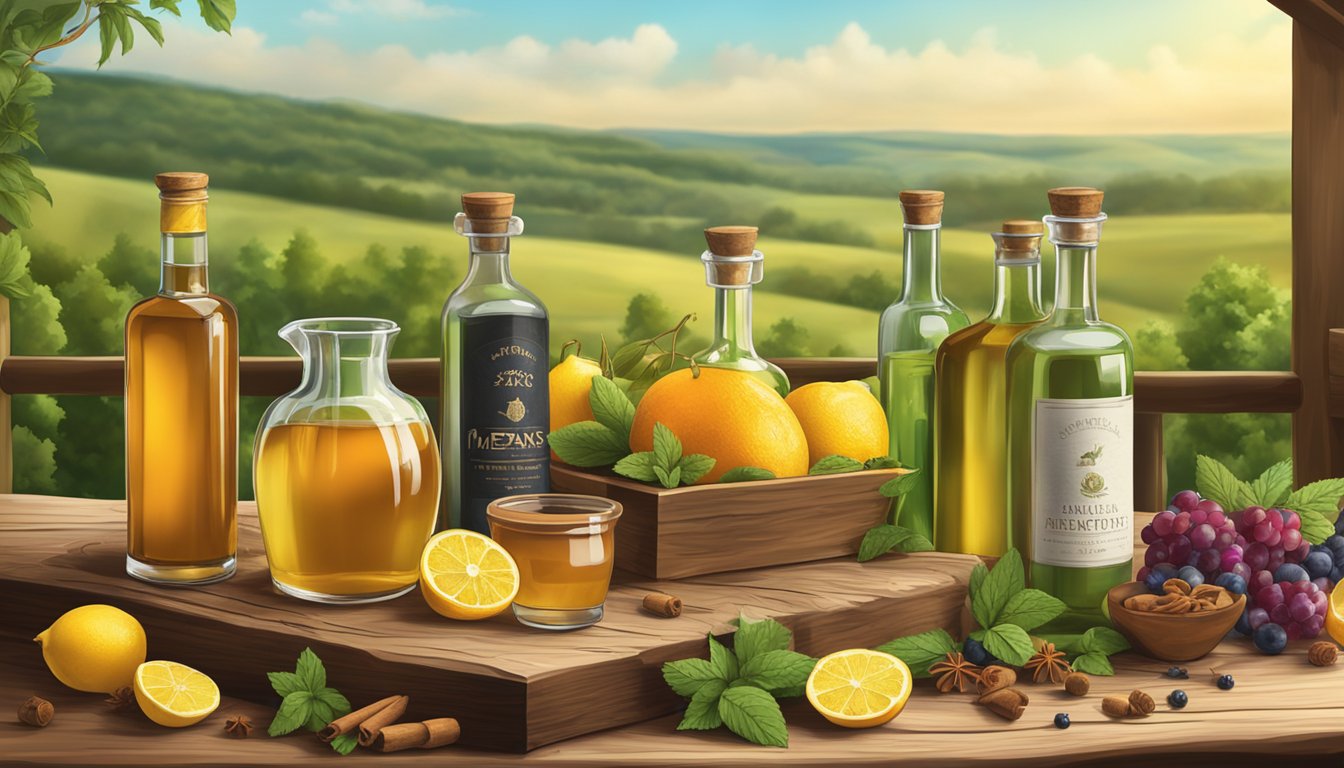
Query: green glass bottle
(732, 266)
(970, 513)
(495, 402)
(1070, 429)
(907, 339)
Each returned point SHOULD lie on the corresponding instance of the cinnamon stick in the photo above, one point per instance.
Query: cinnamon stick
(429, 734)
(383, 717)
(343, 725)
(1007, 703)
(659, 604)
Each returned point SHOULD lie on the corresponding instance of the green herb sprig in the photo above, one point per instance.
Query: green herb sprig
(1316, 504)
(891, 536)
(307, 702)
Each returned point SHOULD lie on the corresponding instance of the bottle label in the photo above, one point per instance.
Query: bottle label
(1083, 482)
(505, 412)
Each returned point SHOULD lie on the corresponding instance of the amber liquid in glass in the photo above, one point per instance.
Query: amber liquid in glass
(557, 571)
(348, 507)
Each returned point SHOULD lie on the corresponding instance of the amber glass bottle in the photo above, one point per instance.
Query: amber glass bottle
(182, 407)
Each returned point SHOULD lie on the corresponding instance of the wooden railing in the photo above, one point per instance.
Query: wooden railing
(1156, 394)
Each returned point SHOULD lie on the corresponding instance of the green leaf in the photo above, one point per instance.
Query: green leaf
(588, 444)
(694, 467)
(150, 24)
(722, 660)
(346, 742)
(754, 638)
(881, 539)
(14, 258)
(166, 5)
(319, 714)
(687, 676)
(612, 408)
(702, 714)
(746, 475)
(107, 36)
(667, 479)
(835, 464)
(311, 673)
(293, 713)
(1215, 481)
(1321, 497)
(1004, 580)
(637, 466)
(627, 359)
(285, 683)
(882, 462)
(754, 715)
(1009, 642)
(1315, 528)
(777, 670)
(218, 14)
(1103, 640)
(333, 698)
(978, 574)
(1031, 608)
(1271, 488)
(666, 448)
(1094, 663)
(901, 485)
(919, 652)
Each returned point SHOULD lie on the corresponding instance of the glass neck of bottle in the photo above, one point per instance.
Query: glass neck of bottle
(183, 270)
(489, 265)
(339, 366)
(1017, 291)
(920, 278)
(732, 319)
(1075, 283)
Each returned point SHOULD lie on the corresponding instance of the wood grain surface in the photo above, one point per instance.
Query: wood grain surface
(513, 688)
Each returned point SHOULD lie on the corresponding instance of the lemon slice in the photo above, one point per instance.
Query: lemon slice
(1334, 618)
(173, 694)
(464, 575)
(859, 688)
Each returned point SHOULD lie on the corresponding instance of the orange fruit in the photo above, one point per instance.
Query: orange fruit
(840, 418)
(728, 415)
(570, 382)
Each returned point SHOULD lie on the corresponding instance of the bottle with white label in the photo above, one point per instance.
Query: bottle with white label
(1070, 429)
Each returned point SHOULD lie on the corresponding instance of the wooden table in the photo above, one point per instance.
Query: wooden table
(1280, 708)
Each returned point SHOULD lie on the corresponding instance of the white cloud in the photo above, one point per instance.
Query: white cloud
(320, 18)
(395, 9)
(1215, 82)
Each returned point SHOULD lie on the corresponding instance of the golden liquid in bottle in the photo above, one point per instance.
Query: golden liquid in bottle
(347, 508)
(182, 431)
(559, 571)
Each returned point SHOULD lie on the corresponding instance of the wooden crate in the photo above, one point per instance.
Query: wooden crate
(671, 533)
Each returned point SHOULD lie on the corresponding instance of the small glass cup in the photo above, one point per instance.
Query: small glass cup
(563, 546)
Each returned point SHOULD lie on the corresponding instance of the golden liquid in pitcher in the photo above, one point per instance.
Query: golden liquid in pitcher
(182, 431)
(347, 508)
(559, 571)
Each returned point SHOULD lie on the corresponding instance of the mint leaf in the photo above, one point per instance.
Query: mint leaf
(1010, 643)
(754, 715)
(835, 464)
(899, 486)
(702, 714)
(1094, 663)
(754, 638)
(688, 676)
(746, 474)
(319, 714)
(285, 683)
(346, 742)
(1103, 640)
(978, 574)
(881, 539)
(1271, 488)
(612, 408)
(882, 462)
(311, 673)
(293, 712)
(333, 698)
(588, 444)
(722, 661)
(694, 467)
(1321, 497)
(777, 670)
(1315, 527)
(1215, 481)
(919, 652)
(666, 448)
(1031, 608)
(667, 479)
(637, 466)
(1004, 580)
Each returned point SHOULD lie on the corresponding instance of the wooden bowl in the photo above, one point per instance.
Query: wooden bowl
(1166, 636)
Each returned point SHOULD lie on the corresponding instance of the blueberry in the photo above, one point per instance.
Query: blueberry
(1168, 570)
(1319, 564)
(1226, 682)
(1178, 673)
(1177, 699)
(1062, 720)
(1336, 546)
(1232, 583)
(1154, 582)
(1270, 638)
(1337, 575)
(975, 652)
(1190, 575)
(1244, 622)
(1291, 572)
(1339, 524)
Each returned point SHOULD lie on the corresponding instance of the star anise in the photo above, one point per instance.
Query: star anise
(122, 698)
(1048, 664)
(954, 672)
(238, 726)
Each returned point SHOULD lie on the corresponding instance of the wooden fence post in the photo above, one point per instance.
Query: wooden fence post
(6, 417)
(1150, 463)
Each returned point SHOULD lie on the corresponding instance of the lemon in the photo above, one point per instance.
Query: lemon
(1334, 618)
(840, 418)
(570, 382)
(174, 695)
(93, 648)
(859, 688)
(464, 575)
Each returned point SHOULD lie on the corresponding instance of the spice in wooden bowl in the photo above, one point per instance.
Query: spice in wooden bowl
(1183, 627)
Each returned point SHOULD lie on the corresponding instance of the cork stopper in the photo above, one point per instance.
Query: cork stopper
(182, 197)
(1076, 203)
(922, 207)
(731, 261)
(1020, 237)
(181, 181)
(489, 212)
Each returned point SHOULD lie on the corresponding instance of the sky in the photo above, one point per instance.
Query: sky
(758, 66)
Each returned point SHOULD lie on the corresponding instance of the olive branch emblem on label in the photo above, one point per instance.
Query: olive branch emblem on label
(1093, 485)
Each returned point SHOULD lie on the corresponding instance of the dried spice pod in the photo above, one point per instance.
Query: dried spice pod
(1048, 664)
(36, 711)
(954, 672)
(1323, 653)
(1115, 706)
(1141, 704)
(996, 678)
(121, 699)
(238, 726)
(1077, 683)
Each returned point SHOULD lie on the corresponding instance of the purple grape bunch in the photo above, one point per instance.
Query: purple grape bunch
(1193, 532)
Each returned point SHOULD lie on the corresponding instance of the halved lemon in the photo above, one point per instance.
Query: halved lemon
(174, 695)
(1334, 618)
(859, 688)
(464, 575)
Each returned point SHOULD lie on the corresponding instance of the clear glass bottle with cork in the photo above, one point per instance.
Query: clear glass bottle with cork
(970, 423)
(495, 405)
(908, 337)
(1070, 429)
(182, 407)
(732, 267)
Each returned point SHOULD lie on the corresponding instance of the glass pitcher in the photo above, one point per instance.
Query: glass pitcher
(346, 469)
